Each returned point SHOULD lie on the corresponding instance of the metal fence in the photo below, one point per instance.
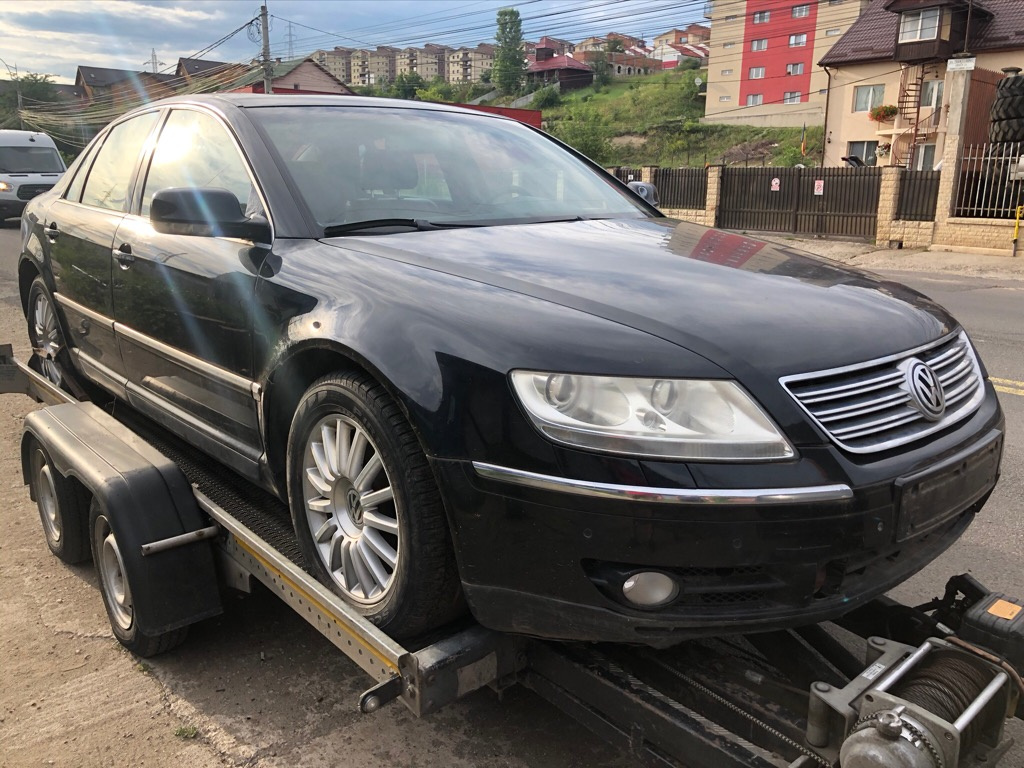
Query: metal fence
(990, 181)
(918, 193)
(625, 175)
(819, 201)
(682, 187)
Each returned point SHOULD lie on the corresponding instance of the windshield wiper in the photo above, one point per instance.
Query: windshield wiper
(357, 226)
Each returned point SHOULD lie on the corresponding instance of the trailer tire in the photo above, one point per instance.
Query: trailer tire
(63, 508)
(392, 559)
(117, 594)
(45, 335)
(1010, 85)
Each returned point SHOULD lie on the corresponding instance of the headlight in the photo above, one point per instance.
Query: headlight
(664, 418)
(5, 187)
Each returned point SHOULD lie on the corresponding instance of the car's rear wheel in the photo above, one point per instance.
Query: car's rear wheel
(45, 335)
(366, 509)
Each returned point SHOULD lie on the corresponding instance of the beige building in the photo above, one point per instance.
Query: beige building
(899, 62)
(467, 65)
(337, 61)
(428, 62)
(694, 34)
(762, 68)
(374, 66)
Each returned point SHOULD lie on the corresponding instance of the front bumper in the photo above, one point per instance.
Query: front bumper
(10, 207)
(546, 555)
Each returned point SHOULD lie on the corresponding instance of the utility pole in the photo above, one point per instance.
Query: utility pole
(268, 65)
(154, 63)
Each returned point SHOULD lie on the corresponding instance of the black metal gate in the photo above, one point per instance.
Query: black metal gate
(804, 201)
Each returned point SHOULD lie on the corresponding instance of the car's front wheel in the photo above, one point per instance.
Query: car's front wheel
(366, 509)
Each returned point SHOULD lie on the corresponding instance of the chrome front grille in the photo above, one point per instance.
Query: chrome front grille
(869, 407)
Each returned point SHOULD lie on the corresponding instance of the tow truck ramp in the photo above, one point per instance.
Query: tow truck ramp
(886, 686)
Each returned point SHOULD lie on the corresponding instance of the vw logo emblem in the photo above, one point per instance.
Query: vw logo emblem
(925, 390)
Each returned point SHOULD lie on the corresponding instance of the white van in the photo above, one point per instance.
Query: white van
(29, 165)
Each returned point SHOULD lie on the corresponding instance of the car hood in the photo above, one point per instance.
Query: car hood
(744, 304)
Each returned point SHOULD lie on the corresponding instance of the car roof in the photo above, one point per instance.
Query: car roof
(24, 139)
(250, 100)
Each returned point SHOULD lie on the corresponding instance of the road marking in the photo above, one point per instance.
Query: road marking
(1008, 382)
(1009, 390)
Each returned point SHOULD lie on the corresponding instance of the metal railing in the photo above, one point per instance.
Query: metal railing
(918, 193)
(682, 187)
(990, 181)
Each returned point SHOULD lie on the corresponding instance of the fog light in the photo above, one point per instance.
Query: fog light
(650, 589)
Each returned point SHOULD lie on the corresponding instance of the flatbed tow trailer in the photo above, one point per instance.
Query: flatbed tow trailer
(886, 685)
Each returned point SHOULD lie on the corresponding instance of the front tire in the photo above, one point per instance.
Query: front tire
(116, 588)
(366, 509)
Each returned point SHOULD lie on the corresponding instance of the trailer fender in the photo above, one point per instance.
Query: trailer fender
(146, 498)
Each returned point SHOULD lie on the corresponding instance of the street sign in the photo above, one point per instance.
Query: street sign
(776, 184)
(960, 65)
(819, 186)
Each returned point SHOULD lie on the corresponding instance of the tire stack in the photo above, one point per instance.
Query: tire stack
(1008, 111)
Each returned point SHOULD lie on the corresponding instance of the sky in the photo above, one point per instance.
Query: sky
(55, 36)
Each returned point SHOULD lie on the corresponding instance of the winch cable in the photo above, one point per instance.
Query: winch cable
(946, 686)
(999, 661)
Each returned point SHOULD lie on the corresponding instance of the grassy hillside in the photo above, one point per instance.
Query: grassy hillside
(654, 120)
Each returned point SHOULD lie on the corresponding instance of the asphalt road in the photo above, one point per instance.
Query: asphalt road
(263, 689)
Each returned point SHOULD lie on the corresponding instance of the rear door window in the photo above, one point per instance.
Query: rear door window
(111, 175)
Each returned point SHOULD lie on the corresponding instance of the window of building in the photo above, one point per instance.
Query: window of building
(791, 97)
(800, 11)
(834, 2)
(835, 31)
(757, 73)
(725, 98)
(762, 17)
(866, 97)
(755, 100)
(726, 71)
(798, 41)
(865, 150)
(924, 157)
(919, 25)
(931, 93)
(728, 45)
(795, 69)
(730, 17)
(759, 45)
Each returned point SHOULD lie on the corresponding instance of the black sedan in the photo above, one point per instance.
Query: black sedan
(484, 373)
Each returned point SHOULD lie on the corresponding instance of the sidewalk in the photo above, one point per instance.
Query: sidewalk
(871, 257)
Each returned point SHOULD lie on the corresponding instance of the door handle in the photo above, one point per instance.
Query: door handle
(52, 232)
(124, 256)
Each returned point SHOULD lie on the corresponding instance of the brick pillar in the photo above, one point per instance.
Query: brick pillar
(647, 173)
(958, 87)
(714, 194)
(887, 198)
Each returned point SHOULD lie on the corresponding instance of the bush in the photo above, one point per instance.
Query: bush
(546, 98)
(583, 129)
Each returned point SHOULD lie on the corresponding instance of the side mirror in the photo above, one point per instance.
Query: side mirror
(647, 191)
(204, 212)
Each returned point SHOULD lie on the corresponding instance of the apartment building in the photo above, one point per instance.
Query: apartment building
(762, 68)
(694, 34)
(374, 66)
(337, 61)
(428, 62)
(467, 65)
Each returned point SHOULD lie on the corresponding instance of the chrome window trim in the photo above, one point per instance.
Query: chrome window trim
(194, 364)
(728, 496)
(949, 418)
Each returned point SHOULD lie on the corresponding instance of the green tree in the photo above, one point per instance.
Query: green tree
(509, 59)
(35, 88)
(406, 85)
(583, 129)
(614, 45)
(602, 68)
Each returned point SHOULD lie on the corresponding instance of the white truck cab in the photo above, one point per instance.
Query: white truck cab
(29, 165)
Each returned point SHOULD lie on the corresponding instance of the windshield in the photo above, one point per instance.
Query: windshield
(369, 164)
(30, 160)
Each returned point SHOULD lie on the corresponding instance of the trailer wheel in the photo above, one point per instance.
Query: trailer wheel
(63, 509)
(366, 510)
(117, 592)
(45, 335)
